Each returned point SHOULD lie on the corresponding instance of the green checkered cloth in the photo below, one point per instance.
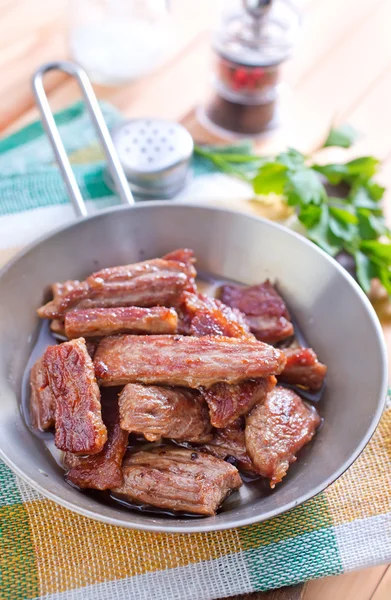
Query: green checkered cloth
(30, 178)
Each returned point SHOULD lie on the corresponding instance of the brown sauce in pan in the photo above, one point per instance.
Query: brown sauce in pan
(209, 285)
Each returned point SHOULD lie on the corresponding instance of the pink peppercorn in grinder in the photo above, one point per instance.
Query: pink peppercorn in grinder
(252, 43)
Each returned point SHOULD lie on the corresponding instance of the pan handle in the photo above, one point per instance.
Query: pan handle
(53, 134)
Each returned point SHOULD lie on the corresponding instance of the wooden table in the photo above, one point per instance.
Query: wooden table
(341, 72)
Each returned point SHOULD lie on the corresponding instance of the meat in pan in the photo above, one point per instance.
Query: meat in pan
(183, 360)
(149, 283)
(211, 388)
(184, 256)
(42, 401)
(303, 368)
(229, 444)
(78, 419)
(209, 316)
(276, 430)
(178, 480)
(57, 326)
(59, 290)
(228, 402)
(100, 322)
(265, 310)
(156, 411)
(104, 470)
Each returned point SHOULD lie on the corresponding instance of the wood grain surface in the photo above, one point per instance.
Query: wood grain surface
(341, 71)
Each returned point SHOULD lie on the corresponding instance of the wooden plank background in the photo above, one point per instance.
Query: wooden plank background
(341, 71)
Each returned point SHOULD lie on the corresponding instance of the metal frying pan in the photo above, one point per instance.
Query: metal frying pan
(334, 314)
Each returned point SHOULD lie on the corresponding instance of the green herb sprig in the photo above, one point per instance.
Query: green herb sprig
(339, 204)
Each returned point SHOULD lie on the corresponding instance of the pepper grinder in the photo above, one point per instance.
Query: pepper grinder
(250, 47)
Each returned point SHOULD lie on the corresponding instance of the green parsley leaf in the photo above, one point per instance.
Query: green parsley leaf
(343, 232)
(365, 270)
(321, 235)
(343, 224)
(351, 225)
(384, 274)
(292, 159)
(343, 136)
(360, 169)
(304, 187)
(370, 226)
(361, 198)
(375, 190)
(344, 215)
(334, 173)
(377, 250)
(364, 167)
(240, 158)
(310, 214)
(271, 178)
(241, 147)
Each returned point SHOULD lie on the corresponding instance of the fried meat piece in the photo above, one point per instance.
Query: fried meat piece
(156, 411)
(58, 327)
(149, 283)
(100, 322)
(228, 402)
(303, 368)
(78, 420)
(229, 444)
(265, 310)
(42, 401)
(182, 255)
(183, 360)
(276, 430)
(209, 316)
(178, 480)
(59, 290)
(104, 470)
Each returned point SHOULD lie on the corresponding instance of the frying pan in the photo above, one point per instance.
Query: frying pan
(332, 311)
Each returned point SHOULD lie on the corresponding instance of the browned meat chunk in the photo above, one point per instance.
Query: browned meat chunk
(187, 257)
(182, 255)
(59, 290)
(303, 368)
(104, 470)
(150, 283)
(276, 430)
(265, 310)
(99, 322)
(229, 444)
(42, 402)
(156, 412)
(58, 327)
(79, 425)
(183, 360)
(178, 480)
(228, 402)
(209, 316)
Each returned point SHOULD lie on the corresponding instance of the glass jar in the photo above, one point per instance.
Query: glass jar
(250, 46)
(117, 41)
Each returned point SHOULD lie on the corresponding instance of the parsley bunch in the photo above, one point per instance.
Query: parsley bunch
(338, 203)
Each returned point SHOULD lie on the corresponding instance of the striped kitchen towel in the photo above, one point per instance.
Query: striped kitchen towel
(46, 551)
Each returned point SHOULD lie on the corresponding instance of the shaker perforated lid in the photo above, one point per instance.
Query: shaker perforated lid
(155, 156)
(261, 33)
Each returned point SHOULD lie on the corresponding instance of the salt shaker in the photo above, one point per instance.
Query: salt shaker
(250, 47)
(117, 41)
